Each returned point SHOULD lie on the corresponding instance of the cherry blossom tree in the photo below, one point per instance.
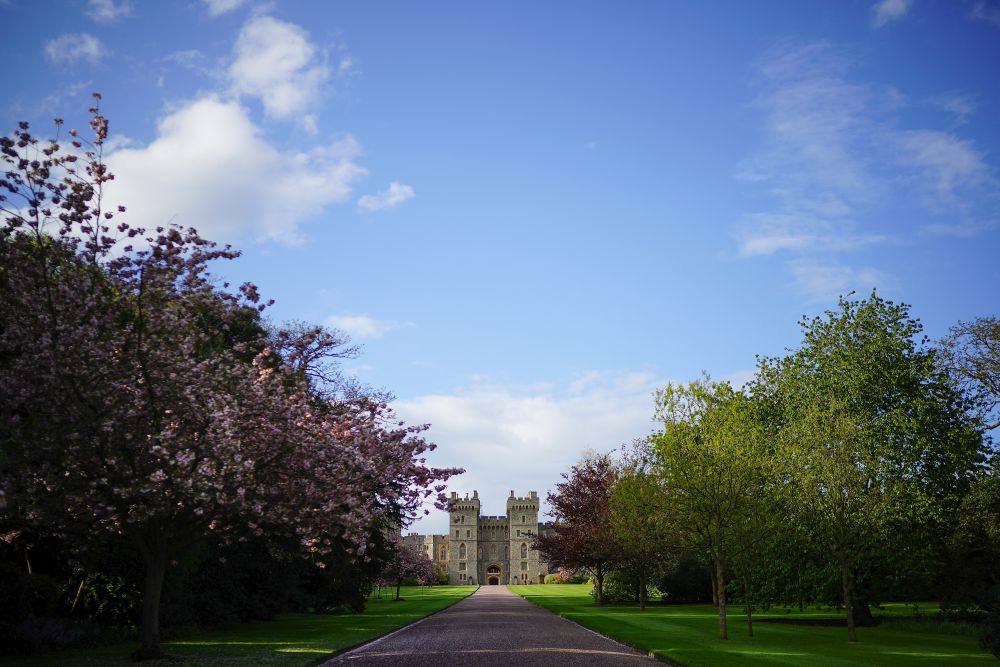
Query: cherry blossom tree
(409, 562)
(139, 398)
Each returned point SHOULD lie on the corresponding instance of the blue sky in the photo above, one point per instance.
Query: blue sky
(533, 214)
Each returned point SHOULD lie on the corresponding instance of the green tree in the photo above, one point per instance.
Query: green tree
(844, 491)
(862, 408)
(972, 572)
(711, 459)
(643, 534)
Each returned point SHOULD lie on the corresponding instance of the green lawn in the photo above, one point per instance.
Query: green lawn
(687, 634)
(291, 640)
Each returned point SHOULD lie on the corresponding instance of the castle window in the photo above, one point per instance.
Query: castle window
(524, 566)
(456, 533)
(524, 550)
(468, 534)
(444, 553)
(461, 567)
(506, 552)
(522, 518)
(461, 551)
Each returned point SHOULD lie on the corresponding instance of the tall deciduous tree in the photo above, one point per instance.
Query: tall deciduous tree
(712, 463)
(645, 537)
(880, 444)
(583, 537)
(971, 355)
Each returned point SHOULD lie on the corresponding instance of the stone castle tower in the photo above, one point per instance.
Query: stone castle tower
(488, 549)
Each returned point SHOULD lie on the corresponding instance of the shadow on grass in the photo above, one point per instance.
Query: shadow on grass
(290, 640)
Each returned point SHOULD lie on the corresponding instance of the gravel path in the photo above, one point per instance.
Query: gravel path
(492, 627)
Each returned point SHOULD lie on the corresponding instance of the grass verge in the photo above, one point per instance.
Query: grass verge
(290, 640)
(688, 634)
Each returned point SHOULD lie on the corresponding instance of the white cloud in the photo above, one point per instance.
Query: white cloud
(107, 11)
(275, 62)
(72, 48)
(210, 168)
(885, 11)
(360, 326)
(823, 282)
(219, 7)
(512, 438)
(395, 195)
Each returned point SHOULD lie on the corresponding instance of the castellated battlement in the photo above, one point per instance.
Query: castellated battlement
(491, 521)
(526, 504)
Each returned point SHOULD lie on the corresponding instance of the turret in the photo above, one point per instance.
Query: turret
(463, 537)
(522, 520)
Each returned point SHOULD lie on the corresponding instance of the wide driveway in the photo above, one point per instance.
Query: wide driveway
(492, 627)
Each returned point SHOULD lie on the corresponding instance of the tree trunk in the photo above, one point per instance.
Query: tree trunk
(155, 557)
(721, 588)
(852, 634)
(862, 613)
(746, 594)
(399, 583)
(642, 593)
(715, 588)
(599, 579)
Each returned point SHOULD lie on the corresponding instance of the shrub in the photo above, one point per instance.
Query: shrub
(620, 588)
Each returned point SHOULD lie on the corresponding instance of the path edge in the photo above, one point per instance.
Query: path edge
(322, 662)
(640, 649)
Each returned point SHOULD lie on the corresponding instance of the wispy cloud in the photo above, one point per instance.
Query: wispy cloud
(945, 166)
(965, 229)
(823, 282)
(770, 233)
(361, 326)
(220, 7)
(393, 196)
(885, 11)
(108, 11)
(73, 48)
(985, 12)
(834, 159)
(961, 105)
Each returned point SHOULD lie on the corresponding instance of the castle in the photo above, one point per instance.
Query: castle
(488, 549)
